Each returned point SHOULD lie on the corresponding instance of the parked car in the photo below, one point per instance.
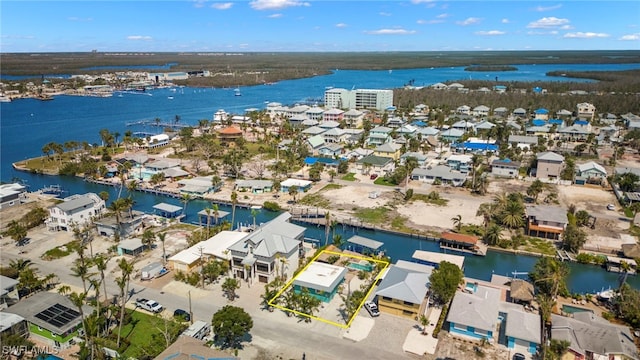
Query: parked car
(373, 176)
(518, 356)
(611, 207)
(149, 305)
(372, 308)
(182, 315)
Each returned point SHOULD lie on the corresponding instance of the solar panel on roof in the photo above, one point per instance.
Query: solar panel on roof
(58, 315)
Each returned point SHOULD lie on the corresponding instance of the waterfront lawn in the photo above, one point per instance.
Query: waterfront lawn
(374, 216)
(181, 226)
(315, 200)
(541, 246)
(382, 181)
(430, 199)
(331, 187)
(145, 334)
(60, 251)
(349, 177)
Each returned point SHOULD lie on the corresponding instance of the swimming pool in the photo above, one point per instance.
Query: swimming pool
(366, 266)
(471, 287)
(573, 309)
(48, 357)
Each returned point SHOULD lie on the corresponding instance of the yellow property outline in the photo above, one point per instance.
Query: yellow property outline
(348, 324)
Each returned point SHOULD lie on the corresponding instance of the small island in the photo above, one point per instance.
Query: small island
(490, 68)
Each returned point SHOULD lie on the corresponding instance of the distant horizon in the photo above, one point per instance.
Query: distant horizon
(142, 52)
(317, 26)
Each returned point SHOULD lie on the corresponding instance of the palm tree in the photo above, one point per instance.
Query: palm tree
(254, 214)
(185, 200)
(81, 270)
(486, 210)
(234, 201)
(216, 212)
(19, 265)
(229, 287)
(424, 321)
(493, 234)
(512, 215)
(148, 237)
(457, 222)
(78, 301)
(327, 227)
(625, 267)
(332, 173)
(123, 281)
(101, 264)
(162, 237)
(293, 191)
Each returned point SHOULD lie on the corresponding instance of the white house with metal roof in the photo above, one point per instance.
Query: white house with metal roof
(522, 330)
(591, 170)
(74, 210)
(439, 173)
(321, 280)
(12, 194)
(213, 248)
(8, 291)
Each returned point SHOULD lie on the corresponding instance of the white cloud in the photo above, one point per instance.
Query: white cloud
(390, 32)
(630, 37)
(384, 14)
(548, 22)
(490, 33)
(139, 37)
(548, 8)
(443, 16)
(341, 25)
(566, 27)
(74, 18)
(199, 3)
(585, 35)
(469, 21)
(274, 16)
(505, 21)
(17, 37)
(222, 6)
(276, 4)
(536, 32)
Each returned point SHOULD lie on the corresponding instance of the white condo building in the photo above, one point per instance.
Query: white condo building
(358, 99)
(75, 209)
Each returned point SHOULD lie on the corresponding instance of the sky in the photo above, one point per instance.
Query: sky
(317, 26)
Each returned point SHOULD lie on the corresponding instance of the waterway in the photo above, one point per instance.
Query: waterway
(28, 124)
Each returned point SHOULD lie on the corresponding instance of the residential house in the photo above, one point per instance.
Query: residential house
(313, 131)
(156, 141)
(500, 111)
(315, 143)
(8, 291)
(522, 330)
(321, 280)
(546, 221)
(329, 124)
(592, 337)
(463, 125)
(610, 132)
(333, 115)
(575, 133)
(214, 248)
(559, 123)
(254, 186)
(403, 290)
(564, 113)
(420, 157)
(541, 114)
(315, 113)
(590, 172)
(523, 142)
(389, 150)
(505, 168)
(456, 87)
(407, 130)
(462, 163)
(75, 210)
(357, 154)
(439, 86)
(12, 194)
(53, 319)
(481, 110)
(330, 149)
(586, 111)
(198, 185)
(439, 174)
(519, 112)
(483, 90)
(187, 347)
(307, 123)
(539, 130)
(353, 118)
(475, 145)
(296, 110)
(474, 313)
(550, 165)
(451, 135)
(462, 243)
(273, 249)
(428, 131)
(302, 185)
(298, 120)
(484, 126)
(379, 135)
(132, 247)
(372, 164)
(334, 135)
(229, 134)
(395, 122)
(130, 222)
(463, 110)
(12, 324)
(161, 165)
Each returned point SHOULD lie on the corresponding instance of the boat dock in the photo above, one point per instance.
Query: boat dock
(615, 264)
(564, 255)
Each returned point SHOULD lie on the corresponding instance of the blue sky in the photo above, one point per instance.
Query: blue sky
(298, 25)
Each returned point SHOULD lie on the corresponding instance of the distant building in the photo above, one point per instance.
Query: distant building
(358, 99)
(75, 210)
(586, 111)
(12, 194)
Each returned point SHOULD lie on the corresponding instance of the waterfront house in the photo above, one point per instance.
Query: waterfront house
(75, 210)
(307, 123)
(549, 165)
(300, 120)
(214, 248)
(462, 243)
(592, 337)
(390, 150)
(546, 221)
(321, 280)
(374, 164)
(187, 347)
(438, 86)
(130, 222)
(333, 115)
(590, 172)
(230, 134)
(274, 246)
(53, 319)
(505, 168)
(254, 186)
(434, 259)
(403, 290)
(302, 185)
(161, 165)
(167, 210)
(439, 174)
(198, 185)
(586, 111)
(156, 141)
(523, 142)
(9, 294)
(474, 313)
(314, 113)
(296, 110)
(456, 87)
(522, 330)
(12, 194)
(379, 135)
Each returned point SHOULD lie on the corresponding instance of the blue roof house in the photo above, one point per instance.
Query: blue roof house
(541, 113)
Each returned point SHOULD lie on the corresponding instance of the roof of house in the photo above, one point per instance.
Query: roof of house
(267, 241)
(131, 244)
(320, 276)
(316, 141)
(6, 283)
(523, 139)
(404, 284)
(541, 111)
(438, 257)
(479, 309)
(591, 165)
(7, 320)
(485, 125)
(381, 129)
(414, 154)
(519, 111)
(254, 183)
(366, 242)
(174, 172)
(550, 156)
(329, 124)
(439, 171)
(523, 325)
(296, 182)
(547, 213)
(521, 290)
(37, 309)
(375, 160)
(452, 133)
(588, 332)
(314, 130)
(429, 130)
(387, 148)
(189, 348)
(459, 238)
(230, 130)
(575, 129)
(75, 202)
(167, 207)
(505, 163)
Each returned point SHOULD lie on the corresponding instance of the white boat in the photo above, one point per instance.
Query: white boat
(237, 92)
(4, 98)
(606, 295)
(256, 207)
(170, 97)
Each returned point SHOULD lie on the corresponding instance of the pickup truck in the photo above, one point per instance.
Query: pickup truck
(149, 305)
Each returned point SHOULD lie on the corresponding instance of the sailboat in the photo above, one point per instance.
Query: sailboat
(237, 92)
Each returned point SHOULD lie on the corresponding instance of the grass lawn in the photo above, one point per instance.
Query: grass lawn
(144, 334)
(331, 187)
(60, 251)
(382, 181)
(349, 177)
(429, 200)
(540, 246)
(315, 200)
(373, 216)
(181, 226)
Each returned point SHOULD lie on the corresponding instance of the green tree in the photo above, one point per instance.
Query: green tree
(293, 191)
(627, 181)
(457, 222)
(573, 238)
(234, 202)
(270, 291)
(162, 236)
(444, 281)
(549, 276)
(629, 308)
(148, 238)
(230, 324)
(17, 231)
(535, 189)
(493, 234)
(123, 282)
(512, 215)
(229, 287)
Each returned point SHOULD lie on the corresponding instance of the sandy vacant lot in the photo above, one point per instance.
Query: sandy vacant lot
(588, 198)
(351, 196)
(424, 214)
